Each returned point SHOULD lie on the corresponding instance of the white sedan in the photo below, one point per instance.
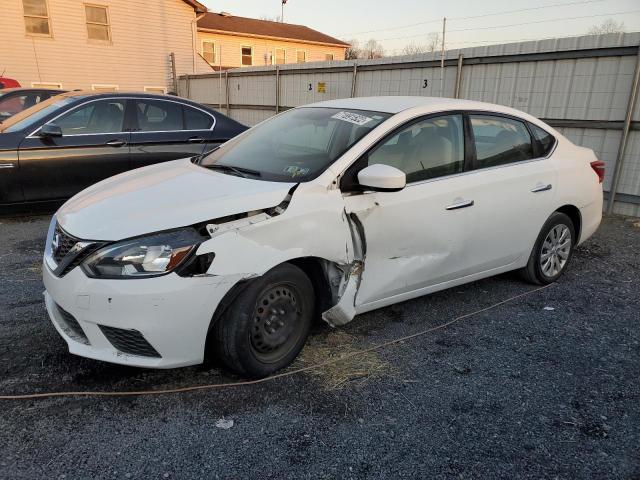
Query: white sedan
(324, 211)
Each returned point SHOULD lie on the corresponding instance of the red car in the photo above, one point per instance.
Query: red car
(8, 83)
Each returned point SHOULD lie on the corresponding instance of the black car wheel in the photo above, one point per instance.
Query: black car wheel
(267, 324)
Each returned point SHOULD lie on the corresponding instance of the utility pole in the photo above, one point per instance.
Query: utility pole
(444, 29)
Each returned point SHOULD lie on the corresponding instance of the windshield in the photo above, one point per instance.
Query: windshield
(297, 145)
(31, 115)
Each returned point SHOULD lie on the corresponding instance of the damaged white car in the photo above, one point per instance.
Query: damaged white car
(328, 210)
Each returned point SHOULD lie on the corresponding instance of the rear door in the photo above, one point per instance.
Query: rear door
(167, 130)
(513, 189)
(93, 146)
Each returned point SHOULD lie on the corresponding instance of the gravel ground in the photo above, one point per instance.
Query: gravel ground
(545, 386)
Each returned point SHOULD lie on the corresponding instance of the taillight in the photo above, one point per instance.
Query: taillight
(598, 167)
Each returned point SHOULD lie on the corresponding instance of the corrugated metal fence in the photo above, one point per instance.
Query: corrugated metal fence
(583, 86)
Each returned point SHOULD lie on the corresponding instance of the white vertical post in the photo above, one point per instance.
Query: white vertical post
(444, 29)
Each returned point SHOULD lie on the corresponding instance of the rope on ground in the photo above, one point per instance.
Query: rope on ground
(277, 376)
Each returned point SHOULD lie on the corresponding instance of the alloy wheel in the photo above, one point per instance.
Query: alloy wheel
(555, 251)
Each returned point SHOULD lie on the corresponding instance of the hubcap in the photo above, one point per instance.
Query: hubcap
(555, 250)
(276, 323)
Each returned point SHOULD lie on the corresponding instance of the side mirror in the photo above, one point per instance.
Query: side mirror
(50, 130)
(382, 178)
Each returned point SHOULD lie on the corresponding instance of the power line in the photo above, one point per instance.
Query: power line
(479, 16)
(516, 24)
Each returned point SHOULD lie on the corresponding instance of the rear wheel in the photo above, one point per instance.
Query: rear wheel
(552, 252)
(267, 325)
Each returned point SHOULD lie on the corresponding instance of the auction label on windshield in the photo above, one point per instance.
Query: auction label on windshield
(352, 118)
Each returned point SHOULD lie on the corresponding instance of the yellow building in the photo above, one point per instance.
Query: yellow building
(227, 41)
(99, 45)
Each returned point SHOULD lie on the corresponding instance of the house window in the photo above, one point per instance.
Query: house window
(301, 56)
(46, 85)
(247, 56)
(281, 56)
(209, 52)
(158, 90)
(102, 87)
(328, 57)
(97, 23)
(36, 17)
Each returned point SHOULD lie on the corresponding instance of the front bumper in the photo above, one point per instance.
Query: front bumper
(171, 313)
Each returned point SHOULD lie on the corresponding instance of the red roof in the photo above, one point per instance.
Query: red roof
(225, 23)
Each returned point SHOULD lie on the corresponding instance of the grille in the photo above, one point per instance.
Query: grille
(71, 327)
(65, 243)
(79, 258)
(129, 341)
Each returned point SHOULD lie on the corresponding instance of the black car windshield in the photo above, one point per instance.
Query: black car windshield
(31, 116)
(295, 146)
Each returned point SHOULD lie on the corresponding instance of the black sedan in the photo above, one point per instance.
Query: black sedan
(15, 100)
(53, 150)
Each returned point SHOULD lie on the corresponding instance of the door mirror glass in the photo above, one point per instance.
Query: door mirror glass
(382, 178)
(51, 130)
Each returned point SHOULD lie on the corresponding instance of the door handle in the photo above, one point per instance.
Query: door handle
(196, 140)
(460, 204)
(116, 143)
(541, 188)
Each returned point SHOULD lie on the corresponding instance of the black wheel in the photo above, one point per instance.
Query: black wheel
(267, 324)
(552, 252)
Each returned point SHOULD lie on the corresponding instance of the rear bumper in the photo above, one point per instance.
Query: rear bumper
(171, 315)
(591, 216)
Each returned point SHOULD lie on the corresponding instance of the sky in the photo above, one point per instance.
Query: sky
(397, 23)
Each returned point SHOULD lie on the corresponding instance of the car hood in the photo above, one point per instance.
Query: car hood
(163, 196)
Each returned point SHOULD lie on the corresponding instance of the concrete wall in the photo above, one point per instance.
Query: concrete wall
(579, 85)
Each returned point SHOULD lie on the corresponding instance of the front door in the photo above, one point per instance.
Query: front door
(93, 146)
(418, 237)
(168, 130)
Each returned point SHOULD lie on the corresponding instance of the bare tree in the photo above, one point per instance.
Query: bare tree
(608, 26)
(353, 52)
(372, 49)
(277, 18)
(433, 44)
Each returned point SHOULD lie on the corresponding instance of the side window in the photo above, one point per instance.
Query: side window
(427, 149)
(196, 120)
(544, 138)
(500, 140)
(158, 116)
(102, 116)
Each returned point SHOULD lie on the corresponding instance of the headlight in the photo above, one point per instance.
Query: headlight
(148, 256)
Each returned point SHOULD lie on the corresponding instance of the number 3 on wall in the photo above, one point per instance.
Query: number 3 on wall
(310, 87)
(425, 84)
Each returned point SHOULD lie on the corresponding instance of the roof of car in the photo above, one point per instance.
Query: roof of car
(396, 104)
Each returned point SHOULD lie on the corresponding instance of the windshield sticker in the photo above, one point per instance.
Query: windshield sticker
(351, 117)
(296, 171)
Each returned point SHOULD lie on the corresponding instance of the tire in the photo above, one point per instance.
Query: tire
(551, 254)
(267, 324)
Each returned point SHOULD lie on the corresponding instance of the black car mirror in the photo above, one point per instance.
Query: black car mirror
(50, 130)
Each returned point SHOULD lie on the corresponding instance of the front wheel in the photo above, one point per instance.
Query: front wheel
(552, 252)
(267, 325)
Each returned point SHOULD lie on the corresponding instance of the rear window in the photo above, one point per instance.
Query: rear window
(544, 138)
